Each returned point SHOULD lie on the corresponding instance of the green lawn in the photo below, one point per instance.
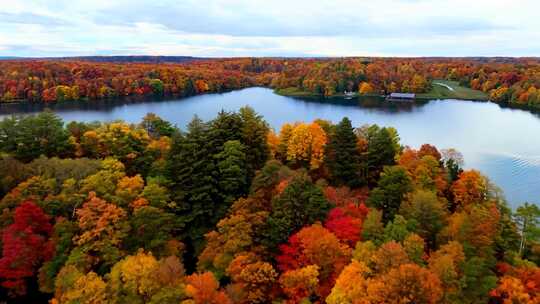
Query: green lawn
(294, 92)
(440, 91)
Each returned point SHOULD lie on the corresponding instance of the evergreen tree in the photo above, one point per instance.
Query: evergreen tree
(254, 137)
(232, 175)
(342, 157)
(156, 127)
(29, 137)
(226, 126)
(191, 170)
(382, 148)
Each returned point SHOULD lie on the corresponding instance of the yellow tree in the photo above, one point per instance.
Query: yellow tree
(418, 84)
(142, 278)
(284, 136)
(365, 88)
(128, 188)
(306, 145)
(300, 283)
(351, 285)
(273, 143)
(446, 264)
(72, 287)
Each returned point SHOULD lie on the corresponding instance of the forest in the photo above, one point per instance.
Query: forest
(513, 81)
(231, 211)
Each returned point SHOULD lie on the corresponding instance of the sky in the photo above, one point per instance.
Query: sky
(232, 28)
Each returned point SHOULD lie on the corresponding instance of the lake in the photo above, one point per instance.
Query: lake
(502, 143)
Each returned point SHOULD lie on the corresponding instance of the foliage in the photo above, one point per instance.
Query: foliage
(203, 288)
(342, 155)
(252, 216)
(300, 204)
(391, 189)
(25, 247)
(300, 284)
(315, 245)
(29, 137)
(306, 144)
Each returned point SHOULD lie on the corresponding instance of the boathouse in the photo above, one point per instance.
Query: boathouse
(401, 97)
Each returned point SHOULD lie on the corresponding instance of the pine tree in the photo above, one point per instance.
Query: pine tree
(226, 126)
(190, 169)
(254, 138)
(382, 149)
(232, 175)
(342, 157)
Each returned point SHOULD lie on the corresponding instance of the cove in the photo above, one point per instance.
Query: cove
(500, 142)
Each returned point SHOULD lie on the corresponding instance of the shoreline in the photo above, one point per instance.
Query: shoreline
(421, 97)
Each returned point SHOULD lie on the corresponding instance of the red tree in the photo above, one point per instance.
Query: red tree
(315, 245)
(25, 247)
(346, 222)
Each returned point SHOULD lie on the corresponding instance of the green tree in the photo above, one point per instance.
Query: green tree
(226, 126)
(383, 145)
(527, 218)
(156, 127)
(390, 191)
(190, 168)
(31, 136)
(427, 212)
(342, 157)
(269, 176)
(396, 230)
(157, 87)
(373, 228)
(63, 233)
(254, 133)
(151, 228)
(300, 204)
(477, 281)
(156, 194)
(232, 174)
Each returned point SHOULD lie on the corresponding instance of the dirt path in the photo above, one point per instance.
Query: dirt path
(445, 85)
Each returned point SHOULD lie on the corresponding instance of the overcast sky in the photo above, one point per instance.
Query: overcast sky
(224, 28)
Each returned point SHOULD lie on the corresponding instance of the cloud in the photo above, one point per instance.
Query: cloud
(300, 18)
(218, 28)
(29, 18)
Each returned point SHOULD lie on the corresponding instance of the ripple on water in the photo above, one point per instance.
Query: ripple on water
(518, 175)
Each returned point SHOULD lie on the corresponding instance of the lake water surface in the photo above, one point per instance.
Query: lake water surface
(502, 143)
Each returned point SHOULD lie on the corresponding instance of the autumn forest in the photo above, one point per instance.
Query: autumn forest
(231, 211)
(513, 81)
(269, 152)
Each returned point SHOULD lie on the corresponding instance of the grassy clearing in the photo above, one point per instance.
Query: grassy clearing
(294, 92)
(440, 91)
